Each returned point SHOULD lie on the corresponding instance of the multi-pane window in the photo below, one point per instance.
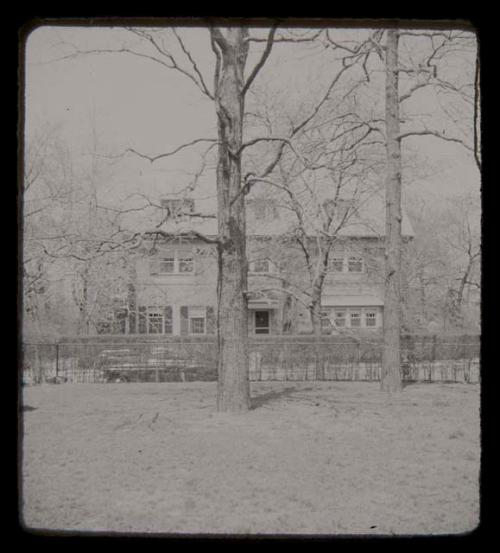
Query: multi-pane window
(197, 320)
(176, 262)
(260, 266)
(355, 319)
(355, 264)
(178, 206)
(155, 320)
(370, 318)
(325, 320)
(186, 264)
(351, 317)
(339, 318)
(167, 265)
(337, 264)
(346, 264)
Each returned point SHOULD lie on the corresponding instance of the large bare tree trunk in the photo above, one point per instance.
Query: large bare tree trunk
(391, 375)
(233, 393)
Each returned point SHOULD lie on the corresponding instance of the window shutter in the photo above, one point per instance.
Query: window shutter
(184, 320)
(142, 319)
(167, 313)
(211, 321)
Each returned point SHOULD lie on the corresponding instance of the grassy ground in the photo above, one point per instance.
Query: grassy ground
(320, 458)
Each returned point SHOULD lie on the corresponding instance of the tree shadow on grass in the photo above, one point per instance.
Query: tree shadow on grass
(262, 399)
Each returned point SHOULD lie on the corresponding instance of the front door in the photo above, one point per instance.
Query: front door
(262, 322)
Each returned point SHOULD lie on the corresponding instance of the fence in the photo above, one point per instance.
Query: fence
(136, 359)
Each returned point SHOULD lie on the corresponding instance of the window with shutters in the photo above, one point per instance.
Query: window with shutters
(155, 320)
(197, 320)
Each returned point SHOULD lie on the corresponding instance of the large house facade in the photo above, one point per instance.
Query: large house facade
(173, 284)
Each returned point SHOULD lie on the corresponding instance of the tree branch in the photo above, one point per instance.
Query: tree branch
(262, 61)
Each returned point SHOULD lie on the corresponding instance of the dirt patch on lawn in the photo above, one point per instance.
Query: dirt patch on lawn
(308, 458)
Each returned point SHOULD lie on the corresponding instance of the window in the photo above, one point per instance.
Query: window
(339, 318)
(197, 316)
(260, 266)
(261, 322)
(355, 264)
(155, 320)
(186, 264)
(370, 318)
(355, 319)
(167, 265)
(325, 320)
(177, 206)
(337, 264)
(176, 262)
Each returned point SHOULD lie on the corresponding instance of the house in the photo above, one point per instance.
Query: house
(173, 285)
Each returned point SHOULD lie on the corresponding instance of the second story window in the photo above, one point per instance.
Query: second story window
(355, 264)
(167, 265)
(337, 264)
(186, 263)
(260, 266)
(176, 262)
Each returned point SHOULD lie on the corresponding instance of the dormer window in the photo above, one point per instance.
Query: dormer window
(177, 206)
(260, 266)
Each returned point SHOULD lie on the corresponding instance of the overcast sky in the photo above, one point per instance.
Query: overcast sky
(133, 102)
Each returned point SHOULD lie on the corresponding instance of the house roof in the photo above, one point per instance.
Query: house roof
(367, 221)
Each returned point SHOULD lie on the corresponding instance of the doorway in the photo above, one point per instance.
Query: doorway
(262, 322)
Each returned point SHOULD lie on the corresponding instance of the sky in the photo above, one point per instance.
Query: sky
(132, 102)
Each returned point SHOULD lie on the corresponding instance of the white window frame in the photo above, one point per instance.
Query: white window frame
(178, 206)
(177, 257)
(362, 313)
(373, 312)
(253, 271)
(335, 312)
(358, 259)
(197, 313)
(337, 258)
(157, 312)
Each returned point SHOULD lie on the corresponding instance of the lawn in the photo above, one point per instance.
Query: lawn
(309, 458)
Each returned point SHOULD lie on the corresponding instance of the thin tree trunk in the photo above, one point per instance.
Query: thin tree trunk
(233, 391)
(316, 324)
(391, 359)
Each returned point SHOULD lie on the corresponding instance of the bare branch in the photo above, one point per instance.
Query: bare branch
(262, 60)
(167, 154)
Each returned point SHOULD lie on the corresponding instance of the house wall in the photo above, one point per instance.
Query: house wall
(199, 287)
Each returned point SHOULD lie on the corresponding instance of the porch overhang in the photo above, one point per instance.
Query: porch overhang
(262, 301)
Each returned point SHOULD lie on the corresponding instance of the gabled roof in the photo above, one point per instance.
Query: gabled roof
(368, 221)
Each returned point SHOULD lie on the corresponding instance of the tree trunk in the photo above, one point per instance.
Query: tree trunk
(391, 359)
(316, 325)
(233, 391)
